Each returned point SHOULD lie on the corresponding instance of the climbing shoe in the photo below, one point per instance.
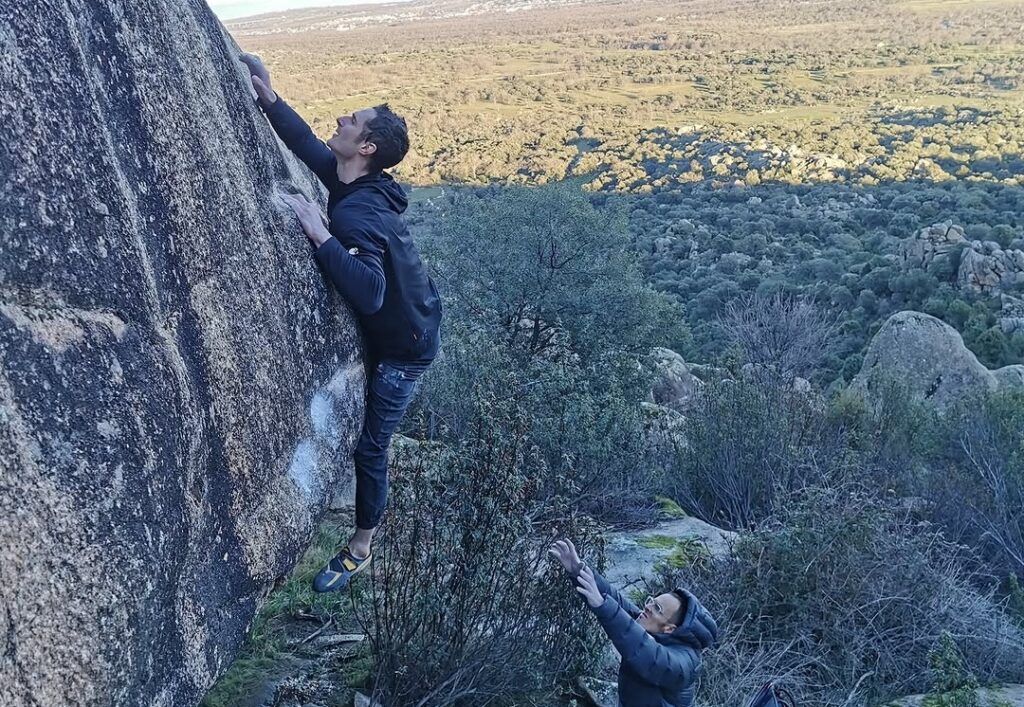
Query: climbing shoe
(339, 571)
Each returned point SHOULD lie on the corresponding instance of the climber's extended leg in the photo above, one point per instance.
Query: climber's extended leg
(389, 393)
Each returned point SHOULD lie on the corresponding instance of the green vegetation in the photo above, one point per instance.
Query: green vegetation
(685, 552)
(839, 246)
(841, 595)
(466, 608)
(292, 615)
(953, 684)
(658, 542)
(546, 307)
(597, 181)
(669, 508)
(1015, 595)
(534, 412)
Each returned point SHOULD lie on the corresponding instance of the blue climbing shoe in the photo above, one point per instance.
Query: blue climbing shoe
(339, 571)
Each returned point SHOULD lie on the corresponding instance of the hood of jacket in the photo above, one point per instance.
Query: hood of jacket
(697, 629)
(382, 184)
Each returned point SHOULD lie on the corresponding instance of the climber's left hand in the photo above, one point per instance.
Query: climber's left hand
(310, 217)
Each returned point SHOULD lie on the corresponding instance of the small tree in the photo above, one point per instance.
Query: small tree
(465, 606)
(779, 335)
(548, 275)
(546, 306)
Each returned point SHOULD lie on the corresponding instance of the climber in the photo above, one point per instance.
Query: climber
(660, 645)
(367, 253)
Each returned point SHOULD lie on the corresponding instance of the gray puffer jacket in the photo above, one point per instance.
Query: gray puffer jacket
(657, 670)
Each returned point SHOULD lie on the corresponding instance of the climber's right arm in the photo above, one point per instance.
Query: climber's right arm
(289, 126)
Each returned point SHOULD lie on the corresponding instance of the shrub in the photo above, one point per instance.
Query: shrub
(980, 460)
(953, 685)
(778, 334)
(748, 446)
(842, 597)
(465, 607)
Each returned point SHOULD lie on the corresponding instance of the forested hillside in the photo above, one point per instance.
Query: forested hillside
(753, 267)
(784, 147)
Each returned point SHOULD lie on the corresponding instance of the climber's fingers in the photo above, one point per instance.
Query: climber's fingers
(259, 76)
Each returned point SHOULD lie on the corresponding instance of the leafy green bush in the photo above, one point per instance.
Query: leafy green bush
(953, 685)
(547, 275)
(547, 308)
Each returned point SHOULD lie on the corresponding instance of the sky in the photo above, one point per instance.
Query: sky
(231, 9)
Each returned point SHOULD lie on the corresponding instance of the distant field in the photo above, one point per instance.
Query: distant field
(503, 96)
(947, 5)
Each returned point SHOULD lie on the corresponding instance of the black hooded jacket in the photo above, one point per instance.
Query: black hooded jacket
(371, 258)
(657, 670)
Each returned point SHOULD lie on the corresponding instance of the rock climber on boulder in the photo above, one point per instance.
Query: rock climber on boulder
(368, 254)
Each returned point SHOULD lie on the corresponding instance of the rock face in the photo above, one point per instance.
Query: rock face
(665, 429)
(987, 268)
(984, 268)
(634, 555)
(674, 385)
(928, 244)
(1011, 316)
(928, 357)
(179, 389)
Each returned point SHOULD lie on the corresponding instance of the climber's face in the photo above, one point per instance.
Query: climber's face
(659, 613)
(347, 141)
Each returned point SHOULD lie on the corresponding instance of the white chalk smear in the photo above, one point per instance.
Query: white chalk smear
(304, 465)
(306, 468)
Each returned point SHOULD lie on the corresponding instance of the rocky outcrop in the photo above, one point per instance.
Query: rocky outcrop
(178, 386)
(674, 385)
(984, 267)
(928, 357)
(1011, 314)
(1009, 377)
(934, 242)
(636, 555)
(1001, 696)
(664, 430)
(987, 268)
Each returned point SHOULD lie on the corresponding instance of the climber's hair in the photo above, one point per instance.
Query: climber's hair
(387, 130)
(683, 604)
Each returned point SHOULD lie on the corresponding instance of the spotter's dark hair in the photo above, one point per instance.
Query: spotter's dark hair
(684, 602)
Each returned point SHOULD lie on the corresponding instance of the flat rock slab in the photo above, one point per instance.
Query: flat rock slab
(634, 555)
(599, 693)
